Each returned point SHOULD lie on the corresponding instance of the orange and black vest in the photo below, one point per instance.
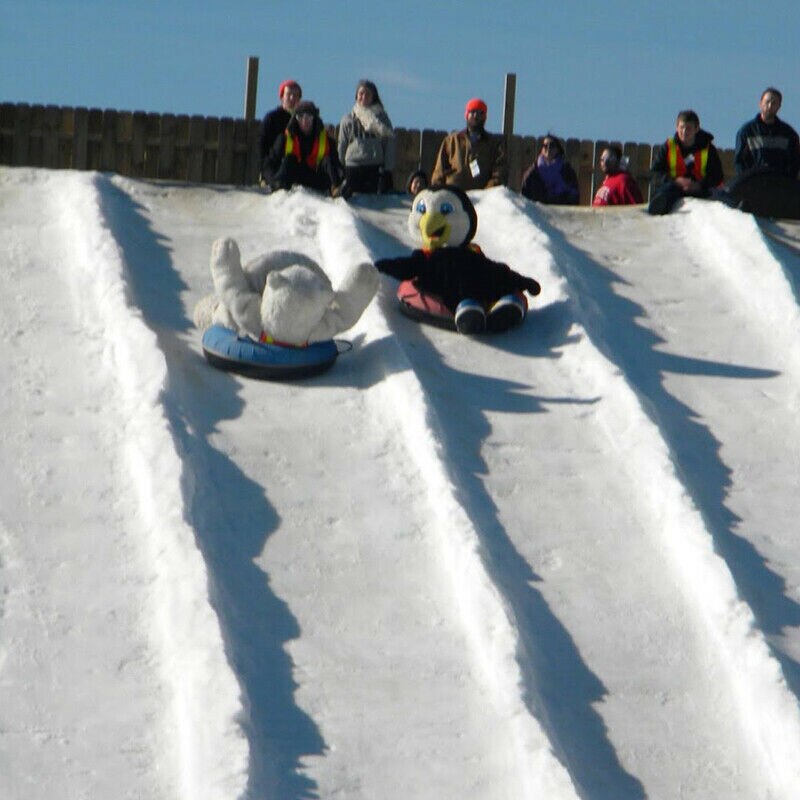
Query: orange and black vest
(677, 166)
(318, 151)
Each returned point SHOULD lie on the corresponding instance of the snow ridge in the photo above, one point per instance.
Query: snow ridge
(211, 751)
(734, 245)
(769, 714)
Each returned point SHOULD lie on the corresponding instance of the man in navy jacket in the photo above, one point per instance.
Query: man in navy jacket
(767, 142)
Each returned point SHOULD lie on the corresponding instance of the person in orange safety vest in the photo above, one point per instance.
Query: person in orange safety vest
(306, 154)
(686, 165)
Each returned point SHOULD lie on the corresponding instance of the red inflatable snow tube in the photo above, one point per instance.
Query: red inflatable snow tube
(424, 307)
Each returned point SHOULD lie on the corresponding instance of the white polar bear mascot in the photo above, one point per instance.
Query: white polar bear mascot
(282, 297)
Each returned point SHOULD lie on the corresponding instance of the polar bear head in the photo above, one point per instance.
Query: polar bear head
(294, 302)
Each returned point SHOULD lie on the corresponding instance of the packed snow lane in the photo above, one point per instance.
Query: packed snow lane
(539, 422)
(332, 567)
(700, 316)
(724, 382)
(81, 693)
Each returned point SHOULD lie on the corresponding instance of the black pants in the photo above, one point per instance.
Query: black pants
(367, 180)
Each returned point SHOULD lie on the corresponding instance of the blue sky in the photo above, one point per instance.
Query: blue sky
(617, 70)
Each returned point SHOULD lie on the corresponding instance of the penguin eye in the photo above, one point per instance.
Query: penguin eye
(446, 208)
(420, 207)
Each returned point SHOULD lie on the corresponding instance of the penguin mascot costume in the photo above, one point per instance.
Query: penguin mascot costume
(475, 294)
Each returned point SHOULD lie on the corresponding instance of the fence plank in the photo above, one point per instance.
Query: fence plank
(638, 156)
(123, 140)
(94, 143)
(429, 148)
(407, 156)
(35, 141)
(8, 113)
(253, 159)
(210, 149)
(51, 122)
(138, 137)
(108, 143)
(529, 147)
(224, 165)
(22, 134)
(240, 152)
(80, 139)
(194, 149)
(152, 144)
(166, 153)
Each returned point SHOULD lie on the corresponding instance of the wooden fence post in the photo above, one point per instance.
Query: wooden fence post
(509, 98)
(250, 88)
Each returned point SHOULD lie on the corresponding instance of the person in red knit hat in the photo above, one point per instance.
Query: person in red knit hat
(274, 124)
(471, 158)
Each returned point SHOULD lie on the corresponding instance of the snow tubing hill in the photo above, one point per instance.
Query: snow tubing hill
(767, 194)
(423, 307)
(225, 350)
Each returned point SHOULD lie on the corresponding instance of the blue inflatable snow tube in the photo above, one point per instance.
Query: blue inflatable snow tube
(225, 350)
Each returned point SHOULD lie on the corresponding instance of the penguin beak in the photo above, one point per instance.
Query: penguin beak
(435, 230)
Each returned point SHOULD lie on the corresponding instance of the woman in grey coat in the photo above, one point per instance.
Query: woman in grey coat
(367, 143)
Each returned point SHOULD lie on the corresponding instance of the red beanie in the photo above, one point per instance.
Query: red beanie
(287, 83)
(476, 104)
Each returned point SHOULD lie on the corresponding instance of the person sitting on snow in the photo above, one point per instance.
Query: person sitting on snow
(417, 181)
(618, 188)
(767, 142)
(274, 124)
(367, 143)
(471, 158)
(686, 165)
(305, 153)
(551, 179)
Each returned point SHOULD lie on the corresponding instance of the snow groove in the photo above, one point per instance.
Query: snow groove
(485, 615)
(212, 753)
(769, 714)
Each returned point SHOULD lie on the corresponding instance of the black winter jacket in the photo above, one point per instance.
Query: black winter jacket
(458, 273)
(660, 169)
(775, 147)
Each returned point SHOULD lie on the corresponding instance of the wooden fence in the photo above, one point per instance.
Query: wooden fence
(225, 150)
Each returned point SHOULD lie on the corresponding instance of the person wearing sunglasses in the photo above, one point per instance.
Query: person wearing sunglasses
(306, 154)
(471, 158)
(551, 179)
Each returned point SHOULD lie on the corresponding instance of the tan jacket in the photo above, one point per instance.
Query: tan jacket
(453, 162)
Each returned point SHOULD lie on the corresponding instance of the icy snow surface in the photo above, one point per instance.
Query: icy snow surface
(558, 563)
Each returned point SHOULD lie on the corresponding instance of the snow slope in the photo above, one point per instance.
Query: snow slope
(558, 563)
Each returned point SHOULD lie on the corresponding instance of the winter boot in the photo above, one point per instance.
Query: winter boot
(507, 312)
(470, 317)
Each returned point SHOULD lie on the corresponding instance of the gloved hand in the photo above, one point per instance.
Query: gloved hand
(343, 190)
(532, 286)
